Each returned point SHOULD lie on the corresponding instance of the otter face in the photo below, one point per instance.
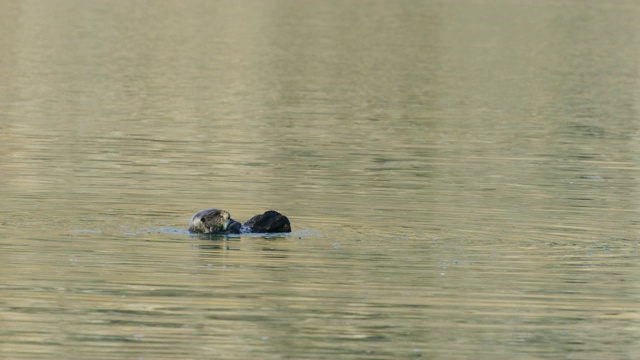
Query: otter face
(210, 221)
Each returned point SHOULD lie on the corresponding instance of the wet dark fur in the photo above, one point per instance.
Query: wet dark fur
(269, 222)
(212, 221)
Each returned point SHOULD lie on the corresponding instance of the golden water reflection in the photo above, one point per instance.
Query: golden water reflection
(461, 180)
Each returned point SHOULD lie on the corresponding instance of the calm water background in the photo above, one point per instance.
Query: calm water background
(462, 178)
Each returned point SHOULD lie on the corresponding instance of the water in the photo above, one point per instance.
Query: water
(461, 177)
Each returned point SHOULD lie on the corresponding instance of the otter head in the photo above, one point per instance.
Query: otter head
(210, 221)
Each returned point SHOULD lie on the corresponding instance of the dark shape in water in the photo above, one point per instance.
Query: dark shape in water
(269, 222)
(218, 221)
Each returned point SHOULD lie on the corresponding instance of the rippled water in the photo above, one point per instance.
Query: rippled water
(461, 177)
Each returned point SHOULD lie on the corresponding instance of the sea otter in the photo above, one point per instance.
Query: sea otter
(217, 221)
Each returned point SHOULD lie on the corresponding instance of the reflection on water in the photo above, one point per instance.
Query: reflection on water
(460, 178)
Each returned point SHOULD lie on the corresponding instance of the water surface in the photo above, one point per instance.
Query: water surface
(462, 179)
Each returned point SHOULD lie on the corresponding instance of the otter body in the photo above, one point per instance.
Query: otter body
(217, 221)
